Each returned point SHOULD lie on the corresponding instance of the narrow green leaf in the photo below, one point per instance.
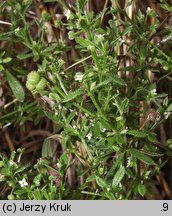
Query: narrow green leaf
(124, 105)
(169, 109)
(153, 153)
(141, 156)
(21, 169)
(6, 60)
(96, 129)
(133, 68)
(101, 182)
(15, 86)
(83, 42)
(165, 102)
(91, 178)
(106, 124)
(101, 84)
(70, 117)
(91, 193)
(72, 95)
(141, 189)
(47, 149)
(137, 133)
(166, 7)
(81, 5)
(6, 35)
(118, 177)
(1, 67)
(115, 166)
(23, 56)
(118, 80)
(72, 131)
(152, 137)
(51, 48)
(114, 79)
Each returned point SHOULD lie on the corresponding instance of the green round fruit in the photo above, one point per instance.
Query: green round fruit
(11, 197)
(41, 85)
(165, 67)
(30, 86)
(33, 77)
(101, 170)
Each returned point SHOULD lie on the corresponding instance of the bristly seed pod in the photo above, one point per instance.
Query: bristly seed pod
(35, 82)
(30, 86)
(41, 84)
(33, 77)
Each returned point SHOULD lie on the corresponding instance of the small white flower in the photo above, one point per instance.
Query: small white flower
(149, 9)
(153, 92)
(97, 190)
(58, 165)
(79, 76)
(108, 189)
(92, 124)
(68, 14)
(99, 37)
(23, 182)
(147, 174)
(121, 40)
(124, 131)
(12, 162)
(16, 30)
(128, 162)
(167, 114)
(120, 185)
(89, 136)
(92, 85)
(103, 129)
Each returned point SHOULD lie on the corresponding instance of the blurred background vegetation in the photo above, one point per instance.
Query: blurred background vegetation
(24, 125)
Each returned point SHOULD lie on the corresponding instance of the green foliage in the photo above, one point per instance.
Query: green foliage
(93, 102)
(15, 85)
(118, 177)
(141, 156)
(46, 179)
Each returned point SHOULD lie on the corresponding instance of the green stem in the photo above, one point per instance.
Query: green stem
(96, 104)
(61, 84)
(59, 91)
(15, 112)
(84, 110)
